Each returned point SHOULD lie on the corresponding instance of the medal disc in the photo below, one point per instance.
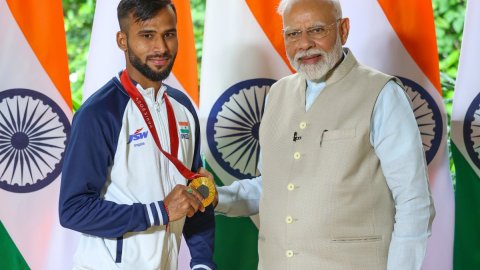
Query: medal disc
(205, 187)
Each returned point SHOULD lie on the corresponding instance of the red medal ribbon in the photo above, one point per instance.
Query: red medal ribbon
(172, 125)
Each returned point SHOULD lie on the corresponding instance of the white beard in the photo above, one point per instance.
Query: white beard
(313, 72)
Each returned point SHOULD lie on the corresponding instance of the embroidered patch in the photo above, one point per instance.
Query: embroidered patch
(184, 130)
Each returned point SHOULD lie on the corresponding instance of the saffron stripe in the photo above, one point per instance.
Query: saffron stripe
(413, 22)
(185, 68)
(42, 25)
(265, 13)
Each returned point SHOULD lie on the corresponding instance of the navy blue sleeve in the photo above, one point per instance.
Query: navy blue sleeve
(199, 233)
(88, 157)
(199, 230)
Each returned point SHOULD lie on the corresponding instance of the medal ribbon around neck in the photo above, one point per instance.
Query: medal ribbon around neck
(172, 126)
(203, 184)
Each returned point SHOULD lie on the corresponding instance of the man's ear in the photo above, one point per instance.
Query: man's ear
(122, 41)
(344, 30)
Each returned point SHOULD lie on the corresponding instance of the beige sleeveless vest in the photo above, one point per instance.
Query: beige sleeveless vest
(325, 202)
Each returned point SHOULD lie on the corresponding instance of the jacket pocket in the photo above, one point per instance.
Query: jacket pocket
(338, 134)
(358, 239)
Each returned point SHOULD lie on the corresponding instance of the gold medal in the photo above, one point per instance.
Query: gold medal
(205, 187)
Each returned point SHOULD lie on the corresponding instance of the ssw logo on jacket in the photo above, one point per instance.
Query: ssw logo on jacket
(137, 136)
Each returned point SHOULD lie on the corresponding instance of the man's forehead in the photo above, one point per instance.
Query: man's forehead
(311, 12)
(320, 7)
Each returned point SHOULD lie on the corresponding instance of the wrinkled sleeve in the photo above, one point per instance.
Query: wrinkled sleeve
(398, 144)
(241, 198)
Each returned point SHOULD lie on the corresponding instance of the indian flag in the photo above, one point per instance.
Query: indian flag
(465, 146)
(243, 55)
(105, 60)
(35, 114)
(184, 128)
(398, 38)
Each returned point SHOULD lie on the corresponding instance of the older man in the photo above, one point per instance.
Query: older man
(351, 191)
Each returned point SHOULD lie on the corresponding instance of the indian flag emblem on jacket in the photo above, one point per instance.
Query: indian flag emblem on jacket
(184, 130)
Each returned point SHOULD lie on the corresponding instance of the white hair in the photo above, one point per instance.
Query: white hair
(285, 3)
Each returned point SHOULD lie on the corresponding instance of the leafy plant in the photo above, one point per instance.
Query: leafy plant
(78, 19)
(449, 20)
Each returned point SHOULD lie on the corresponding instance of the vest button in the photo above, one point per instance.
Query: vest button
(289, 253)
(296, 155)
(303, 125)
(288, 219)
(291, 187)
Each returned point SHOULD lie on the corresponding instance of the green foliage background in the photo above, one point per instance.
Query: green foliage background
(78, 18)
(449, 19)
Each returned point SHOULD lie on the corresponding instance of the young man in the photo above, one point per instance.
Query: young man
(353, 192)
(126, 166)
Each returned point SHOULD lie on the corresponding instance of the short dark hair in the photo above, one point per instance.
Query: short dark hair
(142, 10)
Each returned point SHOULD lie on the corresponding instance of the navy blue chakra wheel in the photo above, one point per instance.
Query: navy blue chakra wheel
(471, 131)
(33, 136)
(233, 127)
(428, 116)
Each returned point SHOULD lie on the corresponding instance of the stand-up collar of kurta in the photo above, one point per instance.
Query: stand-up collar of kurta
(342, 69)
(335, 75)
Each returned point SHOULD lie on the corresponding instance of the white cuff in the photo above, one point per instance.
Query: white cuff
(202, 267)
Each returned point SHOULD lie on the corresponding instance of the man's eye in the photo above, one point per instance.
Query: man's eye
(148, 36)
(317, 30)
(170, 35)
(293, 34)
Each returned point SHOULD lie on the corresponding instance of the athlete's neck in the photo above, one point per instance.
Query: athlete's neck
(145, 82)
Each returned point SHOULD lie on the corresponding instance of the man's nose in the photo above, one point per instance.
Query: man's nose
(160, 45)
(305, 42)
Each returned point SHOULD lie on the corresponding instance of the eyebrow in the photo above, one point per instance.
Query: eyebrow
(149, 31)
(315, 24)
(146, 31)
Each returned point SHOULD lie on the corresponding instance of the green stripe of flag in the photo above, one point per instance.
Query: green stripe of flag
(467, 214)
(236, 240)
(10, 256)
